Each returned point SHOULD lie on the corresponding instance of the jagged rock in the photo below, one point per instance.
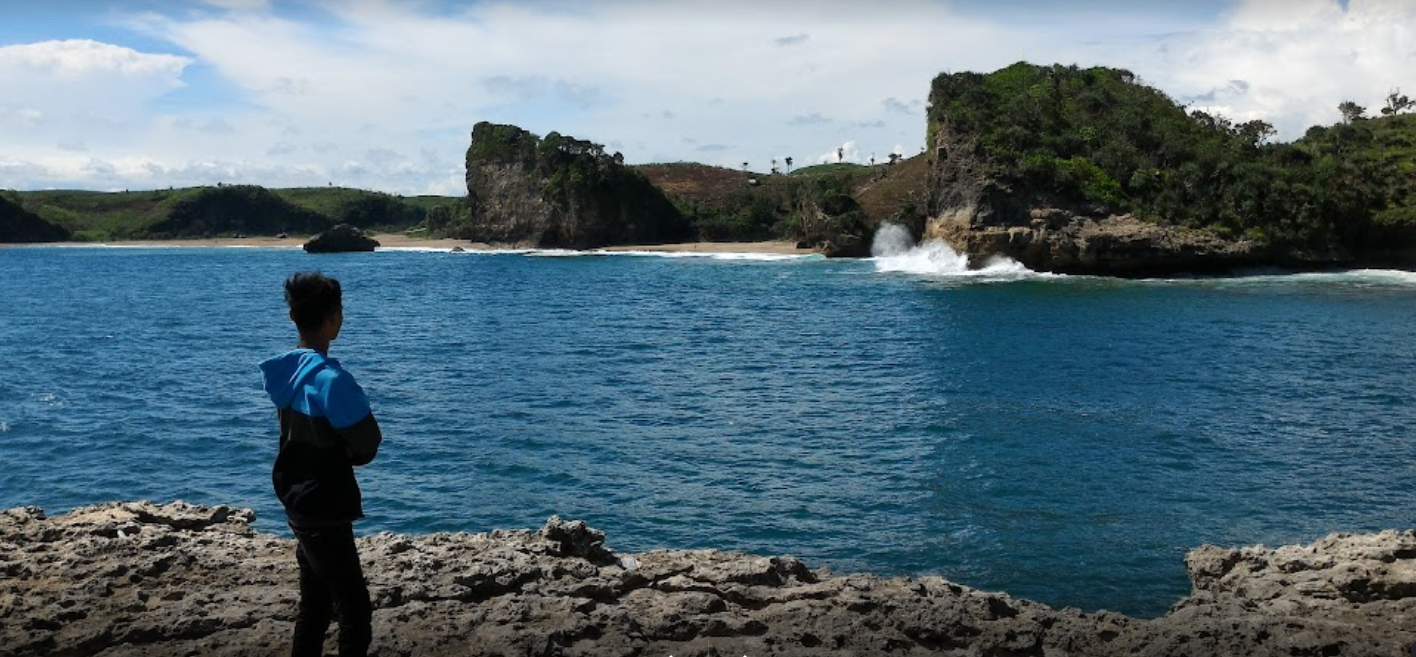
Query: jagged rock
(341, 239)
(1058, 241)
(143, 579)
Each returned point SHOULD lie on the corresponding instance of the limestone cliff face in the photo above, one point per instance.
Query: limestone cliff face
(559, 192)
(139, 579)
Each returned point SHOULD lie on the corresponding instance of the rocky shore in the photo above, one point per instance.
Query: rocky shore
(142, 579)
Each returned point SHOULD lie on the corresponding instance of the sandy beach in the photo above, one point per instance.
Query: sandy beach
(402, 241)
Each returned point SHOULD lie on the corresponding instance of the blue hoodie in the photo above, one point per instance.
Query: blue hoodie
(326, 428)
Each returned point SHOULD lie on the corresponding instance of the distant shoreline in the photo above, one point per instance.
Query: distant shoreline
(400, 241)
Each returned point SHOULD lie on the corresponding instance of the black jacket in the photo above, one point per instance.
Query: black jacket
(326, 428)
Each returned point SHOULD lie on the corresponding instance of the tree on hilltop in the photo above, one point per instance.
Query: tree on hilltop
(1351, 112)
(1397, 103)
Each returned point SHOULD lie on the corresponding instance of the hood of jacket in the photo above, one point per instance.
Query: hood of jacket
(287, 373)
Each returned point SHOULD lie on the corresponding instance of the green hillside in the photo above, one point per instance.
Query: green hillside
(223, 211)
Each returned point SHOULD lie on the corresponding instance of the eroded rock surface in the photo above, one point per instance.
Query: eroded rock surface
(1057, 241)
(142, 579)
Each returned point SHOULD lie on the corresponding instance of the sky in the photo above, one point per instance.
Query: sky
(382, 94)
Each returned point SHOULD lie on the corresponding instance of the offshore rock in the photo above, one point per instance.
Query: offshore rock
(341, 239)
(142, 579)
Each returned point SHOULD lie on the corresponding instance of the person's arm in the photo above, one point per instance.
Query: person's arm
(348, 411)
(364, 438)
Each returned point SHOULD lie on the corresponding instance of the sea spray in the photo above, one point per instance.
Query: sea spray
(895, 250)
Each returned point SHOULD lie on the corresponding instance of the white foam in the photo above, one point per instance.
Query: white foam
(895, 251)
(415, 249)
(551, 253)
(1387, 278)
(715, 255)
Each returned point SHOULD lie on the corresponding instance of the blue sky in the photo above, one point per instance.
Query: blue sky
(382, 94)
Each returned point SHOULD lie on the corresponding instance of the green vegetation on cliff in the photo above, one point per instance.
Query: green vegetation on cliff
(1097, 141)
(808, 206)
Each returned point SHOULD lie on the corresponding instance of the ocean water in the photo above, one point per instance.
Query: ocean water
(1065, 439)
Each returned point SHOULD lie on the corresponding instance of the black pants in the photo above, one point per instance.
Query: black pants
(331, 583)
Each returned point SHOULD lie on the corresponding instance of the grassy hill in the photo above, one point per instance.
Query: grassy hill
(223, 211)
(732, 204)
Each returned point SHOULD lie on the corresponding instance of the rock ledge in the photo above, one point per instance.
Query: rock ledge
(143, 579)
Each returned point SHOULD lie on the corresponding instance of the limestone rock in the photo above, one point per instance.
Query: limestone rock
(1057, 241)
(178, 579)
(559, 192)
(341, 239)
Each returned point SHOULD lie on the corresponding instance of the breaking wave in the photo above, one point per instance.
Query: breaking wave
(894, 250)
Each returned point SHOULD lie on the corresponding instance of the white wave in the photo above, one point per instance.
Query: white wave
(1366, 276)
(551, 253)
(415, 249)
(1361, 278)
(711, 255)
(895, 251)
(715, 255)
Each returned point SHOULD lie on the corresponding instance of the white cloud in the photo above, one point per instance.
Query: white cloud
(80, 57)
(1296, 60)
(59, 82)
(847, 152)
(316, 95)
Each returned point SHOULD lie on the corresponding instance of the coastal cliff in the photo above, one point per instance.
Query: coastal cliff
(1091, 171)
(142, 579)
(558, 192)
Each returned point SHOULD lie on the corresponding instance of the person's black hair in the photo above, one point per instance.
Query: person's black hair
(313, 298)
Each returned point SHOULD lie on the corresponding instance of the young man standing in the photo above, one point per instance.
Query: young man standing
(326, 428)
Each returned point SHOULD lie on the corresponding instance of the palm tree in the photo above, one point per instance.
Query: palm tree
(789, 165)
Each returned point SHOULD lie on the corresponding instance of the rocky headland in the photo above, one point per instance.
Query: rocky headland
(1090, 171)
(143, 579)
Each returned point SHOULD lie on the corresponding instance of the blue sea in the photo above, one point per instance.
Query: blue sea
(1064, 439)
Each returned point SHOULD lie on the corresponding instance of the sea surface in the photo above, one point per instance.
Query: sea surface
(1065, 439)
